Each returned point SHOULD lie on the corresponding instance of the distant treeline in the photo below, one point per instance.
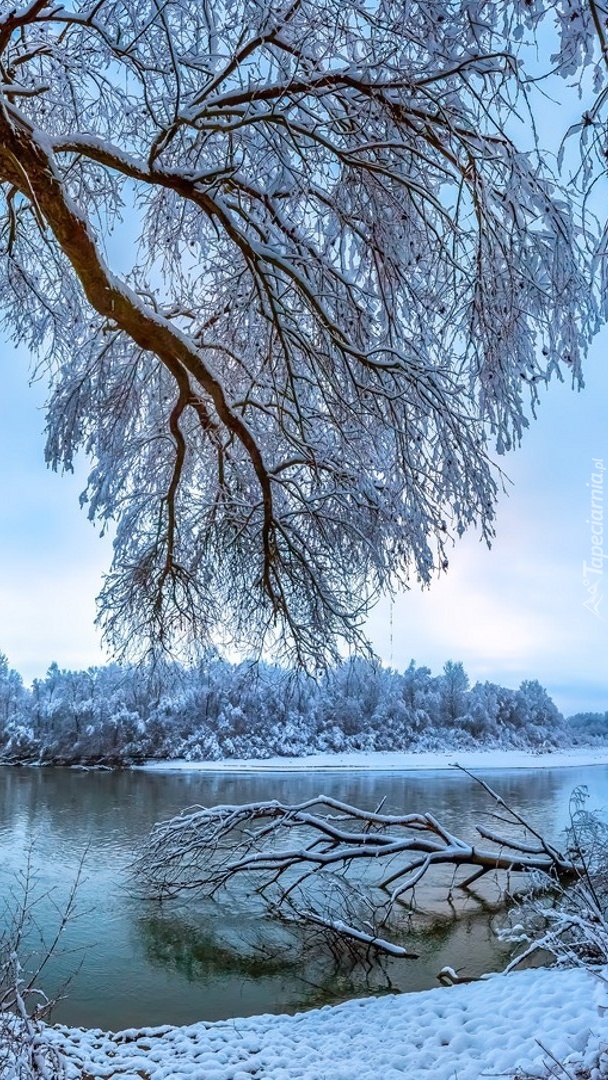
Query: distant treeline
(215, 710)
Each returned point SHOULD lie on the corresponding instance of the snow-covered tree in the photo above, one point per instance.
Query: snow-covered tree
(453, 688)
(11, 691)
(291, 281)
(277, 851)
(537, 715)
(17, 740)
(588, 727)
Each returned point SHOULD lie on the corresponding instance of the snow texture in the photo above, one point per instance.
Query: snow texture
(479, 760)
(494, 1027)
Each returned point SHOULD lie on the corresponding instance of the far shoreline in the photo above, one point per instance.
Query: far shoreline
(394, 761)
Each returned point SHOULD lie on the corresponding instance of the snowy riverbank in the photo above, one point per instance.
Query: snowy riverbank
(475, 760)
(524, 1021)
(514, 1026)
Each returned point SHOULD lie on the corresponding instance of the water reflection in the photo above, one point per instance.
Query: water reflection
(308, 974)
(147, 965)
(179, 944)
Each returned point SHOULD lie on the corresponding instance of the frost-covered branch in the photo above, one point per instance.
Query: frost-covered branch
(571, 923)
(318, 861)
(292, 282)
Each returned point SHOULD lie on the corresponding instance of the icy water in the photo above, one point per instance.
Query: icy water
(136, 963)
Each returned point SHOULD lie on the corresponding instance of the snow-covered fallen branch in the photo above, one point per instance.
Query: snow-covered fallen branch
(571, 924)
(325, 862)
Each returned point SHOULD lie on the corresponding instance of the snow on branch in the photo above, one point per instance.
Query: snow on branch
(323, 862)
(341, 282)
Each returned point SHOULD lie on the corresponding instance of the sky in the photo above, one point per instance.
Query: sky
(511, 613)
(51, 557)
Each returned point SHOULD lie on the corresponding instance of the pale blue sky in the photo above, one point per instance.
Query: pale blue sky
(51, 558)
(517, 611)
(511, 613)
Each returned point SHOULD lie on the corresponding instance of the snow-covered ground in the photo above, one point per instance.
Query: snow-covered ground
(524, 1021)
(476, 760)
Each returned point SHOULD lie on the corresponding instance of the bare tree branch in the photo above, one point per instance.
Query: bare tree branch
(339, 263)
(316, 860)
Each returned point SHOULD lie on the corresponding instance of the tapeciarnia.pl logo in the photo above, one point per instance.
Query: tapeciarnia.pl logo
(593, 571)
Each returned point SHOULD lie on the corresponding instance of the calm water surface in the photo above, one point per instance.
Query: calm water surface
(138, 963)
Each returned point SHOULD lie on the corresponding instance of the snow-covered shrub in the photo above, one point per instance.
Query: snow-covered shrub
(570, 922)
(27, 1049)
(26, 1053)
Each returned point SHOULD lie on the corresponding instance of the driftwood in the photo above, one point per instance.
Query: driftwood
(328, 864)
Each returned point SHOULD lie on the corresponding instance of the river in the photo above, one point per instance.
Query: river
(133, 962)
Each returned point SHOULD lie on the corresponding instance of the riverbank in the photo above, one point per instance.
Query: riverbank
(519, 1024)
(407, 761)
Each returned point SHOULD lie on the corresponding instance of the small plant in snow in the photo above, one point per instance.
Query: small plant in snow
(26, 1050)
